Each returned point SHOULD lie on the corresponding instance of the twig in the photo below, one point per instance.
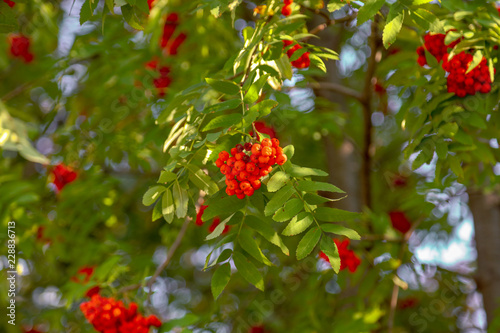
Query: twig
(170, 254)
(335, 87)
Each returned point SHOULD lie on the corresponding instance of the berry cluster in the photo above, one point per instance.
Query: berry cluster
(63, 175)
(20, 47)
(287, 8)
(10, 3)
(348, 258)
(214, 224)
(170, 47)
(243, 171)
(303, 61)
(110, 316)
(477, 80)
(163, 81)
(399, 221)
(83, 276)
(435, 45)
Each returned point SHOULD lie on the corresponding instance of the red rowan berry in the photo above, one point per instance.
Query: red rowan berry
(239, 165)
(256, 148)
(233, 185)
(249, 191)
(229, 176)
(235, 171)
(272, 161)
(219, 163)
(263, 159)
(223, 155)
(279, 151)
(230, 161)
(240, 196)
(244, 175)
(276, 142)
(286, 10)
(239, 147)
(264, 172)
(234, 151)
(266, 151)
(224, 168)
(239, 156)
(245, 185)
(250, 167)
(266, 143)
(247, 146)
(246, 158)
(254, 158)
(238, 191)
(229, 191)
(255, 184)
(281, 159)
(256, 172)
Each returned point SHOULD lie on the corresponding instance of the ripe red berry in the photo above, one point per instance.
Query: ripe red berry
(223, 155)
(234, 151)
(219, 163)
(266, 151)
(255, 184)
(244, 175)
(239, 165)
(264, 172)
(233, 185)
(266, 143)
(281, 159)
(250, 167)
(256, 148)
(229, 191)
(239, 147)
(246, 158)
(276, 142)
(247, 146)
(239, 156)
(224, 169)
(264, 159)
(286, 10)
(249, 191)
(254, 158)
(240, 196)
(245, 185)
(230, 161)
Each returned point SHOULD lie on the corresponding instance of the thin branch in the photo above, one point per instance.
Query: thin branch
(335, 87)
(164, 265)
(170, 252)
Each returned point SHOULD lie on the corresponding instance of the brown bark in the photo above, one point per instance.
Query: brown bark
(486, 211)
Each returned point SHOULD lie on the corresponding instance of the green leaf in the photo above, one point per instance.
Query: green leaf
(87, 10)
(334, 214)
(392, 28)
(142, 5)
(219, 229)
(284, 66)
(330, 249)
(224, 206)
(201, 179)
(166, 176)
(340, 230)
(130, 17)
(8, 21)
(167, 206)
(249, 244)
(225, 121)
(298, 224)
(279, 199)
(252, 94)
(264, 107)
(308, 243)
(369, 10)
(156, 211)
(291, 209)
(427, 20)
(220, 279)
(476, 60)
(265, 229)
(297, 171)
(226, 105)
(312, 186)
(248, 271)
(181, 200)
(224, 86)
(111, 5)
(152, 195)
(333, 6)
(277, 181)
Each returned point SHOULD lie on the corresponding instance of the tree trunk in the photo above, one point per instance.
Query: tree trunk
(486, 211)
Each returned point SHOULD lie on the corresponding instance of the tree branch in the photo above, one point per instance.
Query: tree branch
(335, 87)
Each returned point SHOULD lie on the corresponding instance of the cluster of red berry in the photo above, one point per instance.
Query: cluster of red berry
(399, 221)
(435, 45)
(20, 47)
(214, 224)
(83, 276)
(10, 3)
(303, 61)
(462, 84)
(63, 175)
(287, 8)
(110, 316)
(243, 171)
(348, 258)
(170, 47)
(257, 329)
